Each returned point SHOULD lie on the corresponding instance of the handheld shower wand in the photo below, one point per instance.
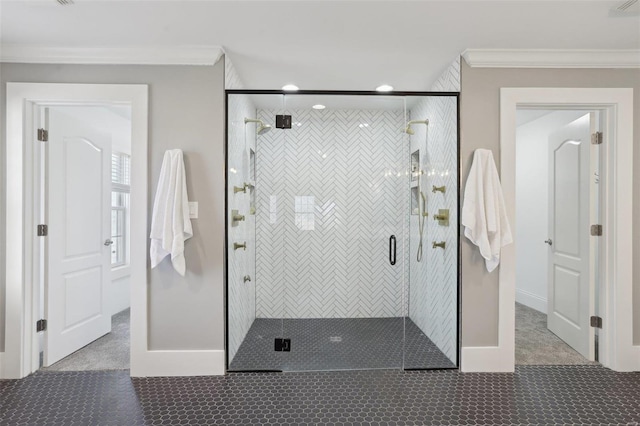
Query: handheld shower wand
(422, 202)
(421, 215)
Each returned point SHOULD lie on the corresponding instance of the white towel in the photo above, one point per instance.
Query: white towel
(483, 214)
(170, 223)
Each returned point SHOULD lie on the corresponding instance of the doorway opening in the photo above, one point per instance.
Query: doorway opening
(84, 170)
(616, 347)
(557, 262)
(25, 261)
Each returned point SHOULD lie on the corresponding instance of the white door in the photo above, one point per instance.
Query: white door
(78, 254)
(571, 246)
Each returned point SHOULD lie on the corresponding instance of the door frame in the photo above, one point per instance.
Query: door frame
(21, 356)
(617, 350)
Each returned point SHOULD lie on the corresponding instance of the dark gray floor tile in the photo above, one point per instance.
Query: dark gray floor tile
(533, 395)
(324, 344)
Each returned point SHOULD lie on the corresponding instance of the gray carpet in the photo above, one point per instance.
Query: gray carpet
(110, 352)
(536, 345)
(338, 344)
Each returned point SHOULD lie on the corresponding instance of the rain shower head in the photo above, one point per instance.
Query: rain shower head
(262, 128)
(410, 131)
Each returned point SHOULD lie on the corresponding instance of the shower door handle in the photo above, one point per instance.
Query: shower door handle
(392, 250)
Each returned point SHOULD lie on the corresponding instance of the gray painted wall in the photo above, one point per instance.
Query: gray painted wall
(186, 110)
(480, 128)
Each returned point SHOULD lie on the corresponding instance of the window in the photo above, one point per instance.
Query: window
(120, 189)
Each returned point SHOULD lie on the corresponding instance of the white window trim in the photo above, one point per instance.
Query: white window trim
(123, 188)
(125, 235)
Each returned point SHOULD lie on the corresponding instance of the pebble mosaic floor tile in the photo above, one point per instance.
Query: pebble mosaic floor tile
(338, 344)
(533, 395)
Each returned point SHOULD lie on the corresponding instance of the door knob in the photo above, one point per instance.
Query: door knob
(549, 241)
(108, 242)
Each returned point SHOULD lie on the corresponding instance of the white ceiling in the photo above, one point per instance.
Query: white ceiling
(341, 45)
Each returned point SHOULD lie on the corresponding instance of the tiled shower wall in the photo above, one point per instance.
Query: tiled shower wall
(241, 297)
(330, 192)
(433, 297)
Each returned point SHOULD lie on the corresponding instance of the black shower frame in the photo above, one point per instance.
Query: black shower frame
(226, 198)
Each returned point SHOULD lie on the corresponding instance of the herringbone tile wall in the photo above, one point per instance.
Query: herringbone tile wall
(231, 78)
(241, 295)
(433, 297)
(330, 192)
(449, 81)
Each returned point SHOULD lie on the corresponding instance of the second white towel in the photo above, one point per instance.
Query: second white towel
(170, 223)
(483, 213)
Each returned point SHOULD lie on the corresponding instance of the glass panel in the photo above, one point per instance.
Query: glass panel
(321, 201)
(342, 178)
(432, 320)
(255, 294)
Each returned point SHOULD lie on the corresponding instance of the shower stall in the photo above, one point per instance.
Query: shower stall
(342, 231)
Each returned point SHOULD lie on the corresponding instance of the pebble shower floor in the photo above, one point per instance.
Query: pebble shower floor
(546, 395)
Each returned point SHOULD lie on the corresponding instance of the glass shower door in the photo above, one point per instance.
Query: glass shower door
(329, 200)
(255, 244)
(343, 190)
(431, 323)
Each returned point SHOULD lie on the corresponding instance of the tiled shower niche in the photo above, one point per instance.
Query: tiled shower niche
(335, 233)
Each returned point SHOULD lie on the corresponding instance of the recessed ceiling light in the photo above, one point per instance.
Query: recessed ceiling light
(318, 106)
(384, 88)
(290, 87)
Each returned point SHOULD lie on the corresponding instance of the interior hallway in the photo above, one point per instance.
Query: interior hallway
(536, 345)
(110, 352)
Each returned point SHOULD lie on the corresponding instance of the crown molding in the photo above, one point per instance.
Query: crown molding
(551, 58)
(151, 55)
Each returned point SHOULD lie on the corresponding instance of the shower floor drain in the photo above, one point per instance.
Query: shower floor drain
(335, 339)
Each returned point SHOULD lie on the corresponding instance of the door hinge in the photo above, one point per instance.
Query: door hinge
(596, 138)
(596, 230)
(283, 122)
(41, 325)
(596, 322)
(43, 135)
(43, 230)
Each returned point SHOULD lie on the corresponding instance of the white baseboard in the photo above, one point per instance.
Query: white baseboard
(180, 363)
(531, 300)
(629, 361)
(2, 366)
(489, 359)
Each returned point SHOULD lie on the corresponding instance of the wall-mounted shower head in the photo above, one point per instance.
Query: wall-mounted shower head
(262, 128)
(410, 131)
